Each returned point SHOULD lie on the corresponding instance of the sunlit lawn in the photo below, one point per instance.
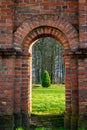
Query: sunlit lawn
(49, 100)
(48, 104)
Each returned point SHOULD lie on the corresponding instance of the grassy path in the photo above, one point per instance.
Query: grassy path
(48, 105)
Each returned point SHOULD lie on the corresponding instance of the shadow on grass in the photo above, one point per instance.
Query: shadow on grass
(48, 122)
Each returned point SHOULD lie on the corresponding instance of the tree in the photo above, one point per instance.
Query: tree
(47, 55)
(46, 82)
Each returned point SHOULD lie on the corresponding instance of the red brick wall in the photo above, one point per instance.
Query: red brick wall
(41, 26)
(6, 23)
(83, 23)
(6, 85)
(82, 62)
(22, 22)
(68, 9)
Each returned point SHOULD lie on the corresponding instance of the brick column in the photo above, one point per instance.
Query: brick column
(17, 91)
(82, 79)
(82, 70)
(6, 92)
(67, 118)
(74, 93)
(6, 65)
(26, 90)
(71, 113)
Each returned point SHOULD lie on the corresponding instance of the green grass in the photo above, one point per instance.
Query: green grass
(41, 129)
(46, 129)
(48, 104)
(49, 100)
(20, 128)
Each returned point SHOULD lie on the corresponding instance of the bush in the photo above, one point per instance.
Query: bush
(46, 82)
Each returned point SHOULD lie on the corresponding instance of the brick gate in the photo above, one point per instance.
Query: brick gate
(22, 23)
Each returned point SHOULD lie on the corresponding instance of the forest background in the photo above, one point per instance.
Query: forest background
(47, 55)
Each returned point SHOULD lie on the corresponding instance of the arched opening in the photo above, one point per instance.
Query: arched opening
(48, 104)
(47, 54)
(26, 35)
(31, 39)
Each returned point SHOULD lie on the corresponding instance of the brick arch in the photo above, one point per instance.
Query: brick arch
(44, 31)
(55, 26)
(24, 37)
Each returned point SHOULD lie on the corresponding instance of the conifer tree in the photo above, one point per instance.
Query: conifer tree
(46, 82)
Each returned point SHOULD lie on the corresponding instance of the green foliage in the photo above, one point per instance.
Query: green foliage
(46, 82)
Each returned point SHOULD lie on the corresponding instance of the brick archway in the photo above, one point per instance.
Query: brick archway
(24, 37)
(55, 26)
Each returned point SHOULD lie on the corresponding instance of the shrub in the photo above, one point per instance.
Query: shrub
(46, 82)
